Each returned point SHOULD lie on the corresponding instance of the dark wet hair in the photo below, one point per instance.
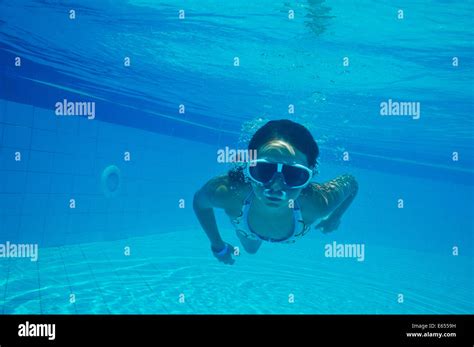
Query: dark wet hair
(284, 129)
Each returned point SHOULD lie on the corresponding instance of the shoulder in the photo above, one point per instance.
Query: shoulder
(224, 192)
(319, 199)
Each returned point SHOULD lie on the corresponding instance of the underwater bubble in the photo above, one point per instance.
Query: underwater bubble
(249, 128)
(318, 97)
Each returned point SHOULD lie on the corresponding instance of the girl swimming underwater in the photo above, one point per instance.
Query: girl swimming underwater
(271, 198)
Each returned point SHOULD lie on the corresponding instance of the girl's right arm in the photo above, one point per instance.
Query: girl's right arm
(213, 194)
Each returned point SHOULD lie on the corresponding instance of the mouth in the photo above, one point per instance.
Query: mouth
(274, 196)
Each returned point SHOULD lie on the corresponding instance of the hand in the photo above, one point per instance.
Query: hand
(224, 256)
(328, 225)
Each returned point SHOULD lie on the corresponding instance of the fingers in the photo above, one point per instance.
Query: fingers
(227, 258)
(228, 261)
(320, 228)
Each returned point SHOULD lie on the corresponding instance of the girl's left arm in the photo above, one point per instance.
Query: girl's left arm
(332, 199)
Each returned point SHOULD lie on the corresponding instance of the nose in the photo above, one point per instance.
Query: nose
(277, 183)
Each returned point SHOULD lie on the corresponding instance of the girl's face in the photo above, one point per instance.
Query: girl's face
(275, 194)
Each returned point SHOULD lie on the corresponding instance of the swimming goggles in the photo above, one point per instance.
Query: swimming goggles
(262, 172)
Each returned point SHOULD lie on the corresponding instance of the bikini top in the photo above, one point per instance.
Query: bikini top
(242, 226)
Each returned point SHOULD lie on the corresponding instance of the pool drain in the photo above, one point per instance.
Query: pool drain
(111, 181)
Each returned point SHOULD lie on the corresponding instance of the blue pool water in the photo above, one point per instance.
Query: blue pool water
(132, 243)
